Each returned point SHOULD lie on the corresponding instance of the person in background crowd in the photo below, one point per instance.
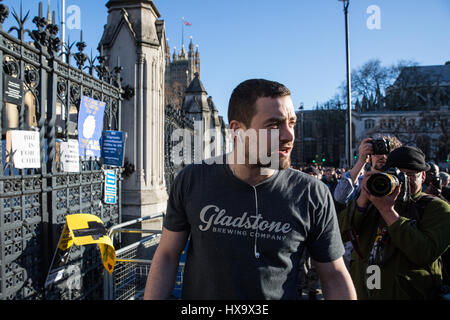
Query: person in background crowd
(312, 171)
(349, 186)
(445, 187)
(330, 179)
(438, 186)
(403, 236)
(432, 184)
(444, 179)
(350, 183)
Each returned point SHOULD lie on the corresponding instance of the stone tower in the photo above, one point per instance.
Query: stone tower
(181, 68)
(207, 123)
(135, 33)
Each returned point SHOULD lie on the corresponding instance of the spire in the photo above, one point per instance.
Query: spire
(196, 85)
(49, 16)
(197, 54)
(197, 60)
(182, 55)
(174, 58)
(191, 48)
(167, 46)
(211, 104)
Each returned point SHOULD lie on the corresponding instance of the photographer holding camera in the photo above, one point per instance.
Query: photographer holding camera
(396, 227)
(433, 182)
(373, 151)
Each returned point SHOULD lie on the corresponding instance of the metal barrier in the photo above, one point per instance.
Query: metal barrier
(127, 282)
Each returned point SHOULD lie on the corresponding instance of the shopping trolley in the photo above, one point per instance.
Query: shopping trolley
(127, 281)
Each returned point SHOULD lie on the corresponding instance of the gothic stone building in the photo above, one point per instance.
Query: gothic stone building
(415, 110)
(320, 138)
(186, 92)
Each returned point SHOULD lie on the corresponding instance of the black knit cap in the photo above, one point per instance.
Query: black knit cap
(407, 157)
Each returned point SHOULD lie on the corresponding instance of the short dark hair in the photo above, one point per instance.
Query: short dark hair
(242, 105)
(312, 170)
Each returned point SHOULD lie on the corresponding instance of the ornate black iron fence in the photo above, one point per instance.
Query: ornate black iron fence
(176, 119)
(34, 202)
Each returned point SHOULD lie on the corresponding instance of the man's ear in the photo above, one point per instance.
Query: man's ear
(236, 126)
(423, 176)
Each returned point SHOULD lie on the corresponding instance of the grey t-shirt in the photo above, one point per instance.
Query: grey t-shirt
(287, 212)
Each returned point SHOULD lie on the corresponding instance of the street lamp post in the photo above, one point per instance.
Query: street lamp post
(63, 29)
(349, 86)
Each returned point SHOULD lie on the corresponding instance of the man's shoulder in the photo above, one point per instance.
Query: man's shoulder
(200, 167)
(432, 203)
(427, 198)
(297, 175)
(298, 178)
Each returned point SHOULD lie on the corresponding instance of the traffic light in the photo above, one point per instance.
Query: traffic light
(314, 161)
(323, 159)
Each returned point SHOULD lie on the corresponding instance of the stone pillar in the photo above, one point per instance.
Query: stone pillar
(136, 35)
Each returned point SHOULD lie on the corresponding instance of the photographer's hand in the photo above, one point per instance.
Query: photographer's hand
(365, 149)
(385, 205)
(363, 199)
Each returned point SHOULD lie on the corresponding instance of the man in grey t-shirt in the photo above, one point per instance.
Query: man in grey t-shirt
(249, 220)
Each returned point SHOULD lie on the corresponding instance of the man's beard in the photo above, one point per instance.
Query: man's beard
(278, 164)
(282, 164)
(271, 160)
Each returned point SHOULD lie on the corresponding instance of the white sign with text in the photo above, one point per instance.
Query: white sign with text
(70, 156)
(25, 149)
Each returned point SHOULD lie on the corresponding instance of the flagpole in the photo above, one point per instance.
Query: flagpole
(182, 33)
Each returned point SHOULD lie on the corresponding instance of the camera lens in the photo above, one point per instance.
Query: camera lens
(382, 184)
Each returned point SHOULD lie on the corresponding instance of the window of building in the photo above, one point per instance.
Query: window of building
(369, 124)
(391, 123)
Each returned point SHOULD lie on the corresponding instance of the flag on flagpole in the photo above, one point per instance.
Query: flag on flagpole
(185, 23)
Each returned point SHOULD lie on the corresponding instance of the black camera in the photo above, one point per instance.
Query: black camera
(432, 177)
(381, 184)
(381, 146)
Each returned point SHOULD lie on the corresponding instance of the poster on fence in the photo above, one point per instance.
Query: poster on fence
(69, 151)
(90, 127)
(12, 90)
(113, 148)
(25, 151)
(110, 187)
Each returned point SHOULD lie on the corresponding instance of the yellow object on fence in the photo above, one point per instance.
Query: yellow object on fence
(81, 229)
(89, 229)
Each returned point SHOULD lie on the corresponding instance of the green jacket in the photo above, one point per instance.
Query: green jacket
(413, 271)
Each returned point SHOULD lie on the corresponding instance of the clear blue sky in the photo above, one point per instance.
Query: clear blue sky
(300, 43)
